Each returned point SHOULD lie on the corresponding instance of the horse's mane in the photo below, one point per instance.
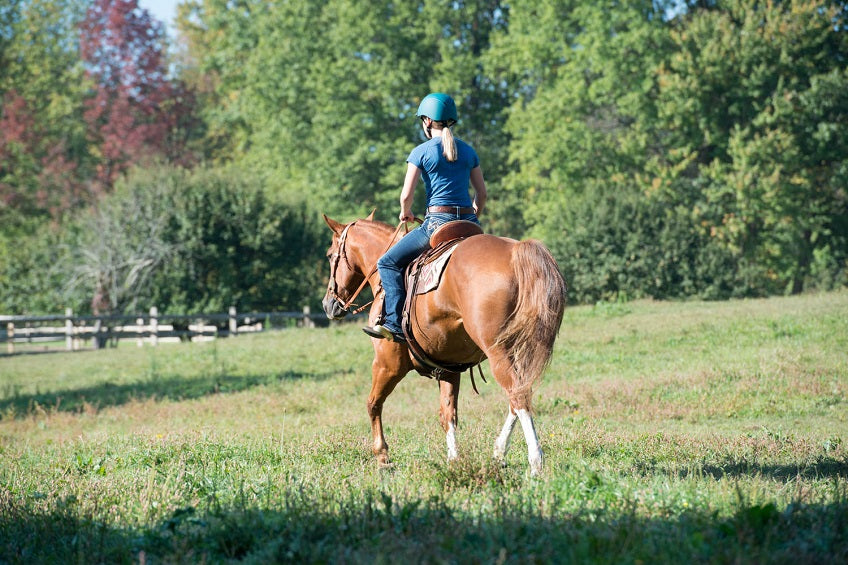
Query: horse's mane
(379, 231)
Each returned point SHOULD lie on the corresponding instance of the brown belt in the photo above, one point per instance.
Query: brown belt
(449, 210)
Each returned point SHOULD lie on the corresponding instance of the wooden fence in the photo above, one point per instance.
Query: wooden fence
(151, 328)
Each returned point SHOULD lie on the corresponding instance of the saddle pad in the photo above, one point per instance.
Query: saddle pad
(431, 273)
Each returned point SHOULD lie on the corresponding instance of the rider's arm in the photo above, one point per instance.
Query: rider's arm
(479, 185)
(413, 173)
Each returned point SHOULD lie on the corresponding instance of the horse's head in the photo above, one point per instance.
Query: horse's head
(344, 276)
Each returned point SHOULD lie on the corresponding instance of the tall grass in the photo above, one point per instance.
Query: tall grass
(673, 432)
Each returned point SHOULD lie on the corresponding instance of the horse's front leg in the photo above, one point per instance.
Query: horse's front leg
(387, 371)
(448, 415)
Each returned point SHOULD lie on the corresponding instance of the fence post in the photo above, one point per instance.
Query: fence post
(139, 322)
(69, 329)
(307, 319)
(10, 335)
(154, 326)
(233, 321)
(95, 339)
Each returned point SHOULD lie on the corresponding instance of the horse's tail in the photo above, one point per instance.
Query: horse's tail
(529, 333)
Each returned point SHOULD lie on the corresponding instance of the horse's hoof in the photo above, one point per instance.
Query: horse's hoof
(383, 462)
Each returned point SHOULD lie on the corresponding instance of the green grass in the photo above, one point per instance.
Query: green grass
(673, 433)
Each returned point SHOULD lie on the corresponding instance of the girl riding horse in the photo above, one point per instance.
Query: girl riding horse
(446, 165)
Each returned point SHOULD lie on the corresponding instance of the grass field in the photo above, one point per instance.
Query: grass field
(673, 433)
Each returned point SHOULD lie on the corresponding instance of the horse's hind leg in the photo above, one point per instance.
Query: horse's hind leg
(502, 442)
(448, 415)
(534, 450)
(518, 411)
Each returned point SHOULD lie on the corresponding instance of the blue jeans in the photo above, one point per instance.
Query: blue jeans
(392, 265)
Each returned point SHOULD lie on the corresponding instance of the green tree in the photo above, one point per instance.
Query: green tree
(316, 94)
(583, 116)
(44, 155)
(753, 101)
(215, 40)
(43, 150)
(730, 110)
(322, 96)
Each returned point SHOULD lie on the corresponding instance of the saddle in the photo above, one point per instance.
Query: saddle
(424, 275)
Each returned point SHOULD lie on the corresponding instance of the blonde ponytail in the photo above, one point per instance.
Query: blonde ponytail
(448, 144)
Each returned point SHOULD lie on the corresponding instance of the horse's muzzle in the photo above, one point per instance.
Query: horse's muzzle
(334, 309)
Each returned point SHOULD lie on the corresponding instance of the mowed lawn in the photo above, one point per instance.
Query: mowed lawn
(673, 433)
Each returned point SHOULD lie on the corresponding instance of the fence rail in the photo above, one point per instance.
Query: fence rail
(151, 328)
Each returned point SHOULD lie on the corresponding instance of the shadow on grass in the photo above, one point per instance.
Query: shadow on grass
(106, 394)
(315, 529)
(822, 468)
(26, 352)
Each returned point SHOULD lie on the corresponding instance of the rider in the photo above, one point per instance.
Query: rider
(446, 164)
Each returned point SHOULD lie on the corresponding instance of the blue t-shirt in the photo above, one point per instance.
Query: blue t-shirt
(447, 183)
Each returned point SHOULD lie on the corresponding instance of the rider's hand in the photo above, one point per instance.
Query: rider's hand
(405, 216)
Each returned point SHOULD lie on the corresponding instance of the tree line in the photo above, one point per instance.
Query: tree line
(663, 149)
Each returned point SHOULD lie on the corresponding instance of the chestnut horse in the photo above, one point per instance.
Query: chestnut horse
(499, 299)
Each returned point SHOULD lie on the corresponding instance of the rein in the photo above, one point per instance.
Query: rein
(342, 240)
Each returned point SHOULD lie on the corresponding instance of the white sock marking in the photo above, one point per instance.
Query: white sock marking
(502, 441)
(534, 450)
(450, 437)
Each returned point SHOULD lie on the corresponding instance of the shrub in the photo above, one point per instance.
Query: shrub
(185, 241)
(613, 246)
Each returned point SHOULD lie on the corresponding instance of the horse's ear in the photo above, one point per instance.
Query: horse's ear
(370, 217)
(334, 225)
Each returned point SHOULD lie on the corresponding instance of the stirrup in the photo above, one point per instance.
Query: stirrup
(380, 331)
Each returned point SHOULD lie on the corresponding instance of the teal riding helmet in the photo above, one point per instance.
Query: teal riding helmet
(438, 107)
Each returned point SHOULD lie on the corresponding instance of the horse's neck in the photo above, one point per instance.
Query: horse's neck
(373, 241)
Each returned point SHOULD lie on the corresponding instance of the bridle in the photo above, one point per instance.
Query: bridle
(333, 287)
(336, 258)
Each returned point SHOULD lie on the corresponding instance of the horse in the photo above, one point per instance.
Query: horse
(499, 299)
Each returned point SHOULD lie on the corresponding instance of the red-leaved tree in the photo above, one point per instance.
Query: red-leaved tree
(136, 112)
(36, 174)
(16, 141)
